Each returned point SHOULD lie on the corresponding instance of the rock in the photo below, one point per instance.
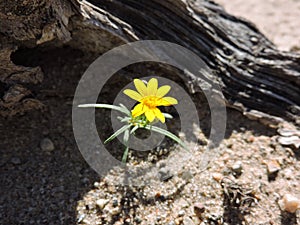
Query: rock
(215, 218)
(187, 175)
(111, 189)
(165, 174)
(47, 145)
(115, 202)
(182, 203)
(217, 176)
(290, 203)
(171, 223)
(237, 168)
(178, 221)
(188, 221)
(15, 160)
(80, 218)
(114, 211)
(162, 164)
(86, 221)
(138, 220)
(85, 180)
(293, 140)
(288, 174)
(250, 139)
(290, 135)
(101, 203)
(272, 167)
(181, 213)
(199, 209)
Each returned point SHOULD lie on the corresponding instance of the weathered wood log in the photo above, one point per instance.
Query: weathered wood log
(255, 77)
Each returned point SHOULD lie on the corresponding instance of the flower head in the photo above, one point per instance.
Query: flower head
(150, 97)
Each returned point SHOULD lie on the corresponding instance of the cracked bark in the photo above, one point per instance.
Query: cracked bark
(255, 77)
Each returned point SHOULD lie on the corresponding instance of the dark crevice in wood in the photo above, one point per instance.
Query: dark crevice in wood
(254, 76)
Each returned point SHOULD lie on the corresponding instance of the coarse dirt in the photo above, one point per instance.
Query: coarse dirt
(54, 184)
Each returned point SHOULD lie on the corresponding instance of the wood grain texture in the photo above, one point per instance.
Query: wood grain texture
(255, 77)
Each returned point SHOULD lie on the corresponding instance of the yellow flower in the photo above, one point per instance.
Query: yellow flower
(150, 97)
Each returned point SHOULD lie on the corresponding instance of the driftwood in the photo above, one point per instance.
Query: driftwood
(255, 77)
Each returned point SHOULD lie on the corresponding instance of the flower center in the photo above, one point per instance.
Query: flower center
(150, 101)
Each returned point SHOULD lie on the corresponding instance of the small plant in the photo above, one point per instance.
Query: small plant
(144, 114)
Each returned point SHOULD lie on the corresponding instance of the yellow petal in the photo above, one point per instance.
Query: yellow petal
(159, 115)
(163, 90)
(138, 110)
(132, 94)
(152, 86)
(150, 115)
(140, 87)
(167, 101)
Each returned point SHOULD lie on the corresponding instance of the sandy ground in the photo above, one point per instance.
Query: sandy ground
(279, 20)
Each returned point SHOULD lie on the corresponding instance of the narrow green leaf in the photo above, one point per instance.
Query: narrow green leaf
(126, 137)
(125, 108)
(126, 140)
(168, 116)
(125, 154)
(118, 132)
(134, 129)
(105, 106)
(125, 119)
(166, 133)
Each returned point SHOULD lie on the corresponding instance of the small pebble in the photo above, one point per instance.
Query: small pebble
(111, 189)
(250, 139)
(165, 174)
(183, 203)
(290, 203)
(101, 203)
(272, 167)
(237, 168)
(86, 221)
(199, 209)
(188, 221)
(214, 218)
(115, 202)
(181, 213)
(217, 176)
(138, 220)
(115, 211)
(80, 218)
(254, 39)
(47, 145)
(15, 160)
(187, 175)
(160, 152)
(85, 180)
(178, 220)
(171, 223)
(162, 164)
